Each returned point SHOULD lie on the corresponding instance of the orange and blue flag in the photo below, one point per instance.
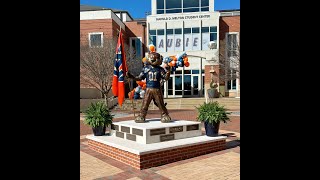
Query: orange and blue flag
(119, 71)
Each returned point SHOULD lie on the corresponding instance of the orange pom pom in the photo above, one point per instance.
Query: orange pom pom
(152, 48)
(173, 63)
(144, 87)
(185, 59)
(186, 64)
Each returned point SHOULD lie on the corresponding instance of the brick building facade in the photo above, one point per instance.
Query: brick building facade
(97, 23)
(206, 25)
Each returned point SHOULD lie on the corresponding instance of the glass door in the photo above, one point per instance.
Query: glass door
(178, 85)
(195, 85)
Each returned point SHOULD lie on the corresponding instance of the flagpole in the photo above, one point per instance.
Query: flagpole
(134, 114)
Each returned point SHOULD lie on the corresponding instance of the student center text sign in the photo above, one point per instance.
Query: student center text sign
(183, 17)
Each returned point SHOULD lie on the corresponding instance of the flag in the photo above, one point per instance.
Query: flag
(119, 72)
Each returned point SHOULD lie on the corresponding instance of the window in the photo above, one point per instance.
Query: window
(156, 37)
(187, 39)
(232, 44)
(195, 71)
(232, 84)
(191, 6)
(204, 5)
(153, 37)
(170, 40)
(174, 39)
(232, 50)
(208, 34)
(213, 33)
(191, 38)
(136, 47)
(160, 31)
(179, 6)
(190, 3)
(96, 39)
(160, 6)
(173, 6)
(160, 40)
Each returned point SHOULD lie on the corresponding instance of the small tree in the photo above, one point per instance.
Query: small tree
(229, 61)
(97, 64)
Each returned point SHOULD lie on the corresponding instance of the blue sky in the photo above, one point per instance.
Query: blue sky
(137, 8)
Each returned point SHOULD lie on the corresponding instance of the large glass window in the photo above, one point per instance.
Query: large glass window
(170, 4)
(195, 85)
(153, 37)
(232, 50)
(187, 84)
(170, 40)
(232, 44)
(178, 39)
(170, 86)
(135, 47)
(187, 39)
(232, 84)
(190, 3)
(208, 34)
(173, 6)
(204, 3)
(178, 84)
(178, 6)
(192, 38)
(191, 6)
(156, 37)
(160, 6)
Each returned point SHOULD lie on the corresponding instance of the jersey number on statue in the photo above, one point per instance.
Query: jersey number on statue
(152, 76)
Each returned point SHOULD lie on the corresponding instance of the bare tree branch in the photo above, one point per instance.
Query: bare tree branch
(229, 61)
(97, 64)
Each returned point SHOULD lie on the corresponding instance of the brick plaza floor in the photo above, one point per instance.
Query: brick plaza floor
(219, 165)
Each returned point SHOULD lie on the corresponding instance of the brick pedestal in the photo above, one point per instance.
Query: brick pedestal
(151, 155)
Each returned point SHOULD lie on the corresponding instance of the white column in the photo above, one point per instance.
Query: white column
(211, 5)
(200, 76)
(154, 7)
(238, 87)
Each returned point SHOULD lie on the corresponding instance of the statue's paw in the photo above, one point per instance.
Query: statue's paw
(165, 118)
(140, 119)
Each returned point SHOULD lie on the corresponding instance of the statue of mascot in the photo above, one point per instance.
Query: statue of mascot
(153, 73)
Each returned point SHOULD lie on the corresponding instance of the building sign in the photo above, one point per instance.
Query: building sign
(175, 42)
(182, 17)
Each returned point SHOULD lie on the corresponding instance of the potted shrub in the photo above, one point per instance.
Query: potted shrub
(98, 116)
(212, 114)
(213, 92)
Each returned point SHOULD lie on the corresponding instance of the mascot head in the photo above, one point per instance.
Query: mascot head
(154, 59)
